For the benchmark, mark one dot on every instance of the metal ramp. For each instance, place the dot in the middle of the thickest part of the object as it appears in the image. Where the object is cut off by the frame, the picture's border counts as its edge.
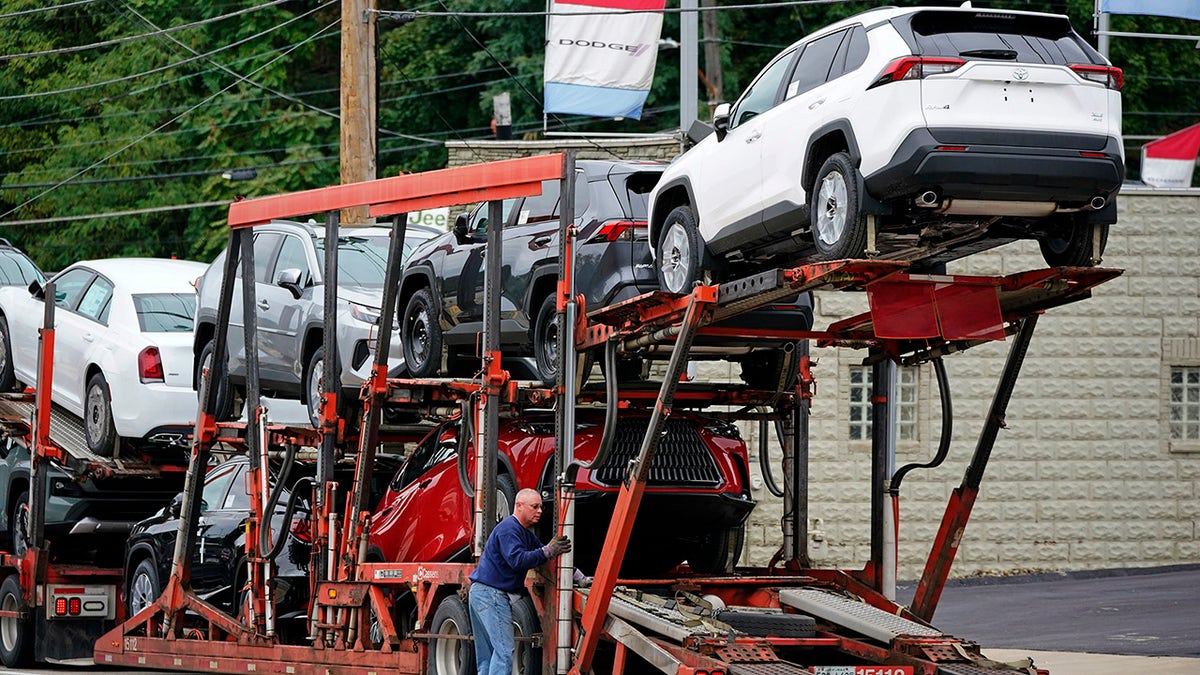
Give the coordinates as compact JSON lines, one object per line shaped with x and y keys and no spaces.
{"x":853,"y":614}
{"x":66,"y":431}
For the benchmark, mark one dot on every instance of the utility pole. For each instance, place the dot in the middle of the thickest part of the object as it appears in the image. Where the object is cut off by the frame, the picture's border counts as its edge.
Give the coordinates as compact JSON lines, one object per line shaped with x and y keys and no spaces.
{"x":713,"y":77}
{"x":358,"y":118}
{"x":689,"y":64}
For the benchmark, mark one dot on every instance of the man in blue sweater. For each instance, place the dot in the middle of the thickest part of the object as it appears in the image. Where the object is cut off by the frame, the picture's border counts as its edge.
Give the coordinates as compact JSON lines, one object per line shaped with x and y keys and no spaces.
{"x":499,"y":580}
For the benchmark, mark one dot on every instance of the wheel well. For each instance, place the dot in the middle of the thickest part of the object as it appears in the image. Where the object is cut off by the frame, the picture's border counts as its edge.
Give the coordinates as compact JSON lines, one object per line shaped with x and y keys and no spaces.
{"x":409,"y":286}
{"x":93,"y":369}
{"x":542,"y":286}
{"x":667,"y":200}
{"x":818,"y":152}
{"x":312,"y":340}
{"x":204,"y":333}
{"x":136,"y":556}
{"x":18,"y":486}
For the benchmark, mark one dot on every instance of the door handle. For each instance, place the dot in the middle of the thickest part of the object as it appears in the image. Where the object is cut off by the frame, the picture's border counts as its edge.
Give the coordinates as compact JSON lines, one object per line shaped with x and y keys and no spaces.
{"x":754,"y":137}
{"x":540,"y":241}
{"x":425,"y":483}
{"x":264,"y":305}
{"x":816,"y":104}
{"x":89,"y":337}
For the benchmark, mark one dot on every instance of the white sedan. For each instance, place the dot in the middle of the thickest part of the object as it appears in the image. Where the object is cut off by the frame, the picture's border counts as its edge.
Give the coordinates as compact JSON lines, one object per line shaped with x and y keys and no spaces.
{"x":123,"y":346}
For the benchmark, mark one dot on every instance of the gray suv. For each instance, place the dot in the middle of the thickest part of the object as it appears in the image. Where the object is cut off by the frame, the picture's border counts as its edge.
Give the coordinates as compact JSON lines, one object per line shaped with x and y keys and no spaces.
{"x":289,"y":291}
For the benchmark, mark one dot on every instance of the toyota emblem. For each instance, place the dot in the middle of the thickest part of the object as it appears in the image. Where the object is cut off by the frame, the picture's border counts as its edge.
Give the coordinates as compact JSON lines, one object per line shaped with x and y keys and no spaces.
{"x":1020,"y":74}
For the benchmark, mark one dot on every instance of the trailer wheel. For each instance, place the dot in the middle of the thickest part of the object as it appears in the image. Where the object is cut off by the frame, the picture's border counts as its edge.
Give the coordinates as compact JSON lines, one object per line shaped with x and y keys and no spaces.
{"x":1072,"y":242}
{"x":143,"y":587}
{"x":8,"y":377}
{"x":545,"y":340}
{"x":839,"y":229}
{"x":527,"y":659}
{"x":228,"y":407}
{"x":18,"y":523}
{"x":680,"y":251}
{"x":421,"y":333}
{"x":16,"y":634}
{"x":98,"y":424}
{"x":451,"y":657}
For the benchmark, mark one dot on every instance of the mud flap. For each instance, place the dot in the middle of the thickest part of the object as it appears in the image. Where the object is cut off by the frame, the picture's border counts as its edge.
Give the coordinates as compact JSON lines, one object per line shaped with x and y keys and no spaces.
{"x":67,"y":640}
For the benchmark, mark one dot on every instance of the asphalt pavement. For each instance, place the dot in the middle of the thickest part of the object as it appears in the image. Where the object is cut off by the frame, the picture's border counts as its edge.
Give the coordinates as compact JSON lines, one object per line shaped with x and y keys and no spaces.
{"x":1102,"y":622}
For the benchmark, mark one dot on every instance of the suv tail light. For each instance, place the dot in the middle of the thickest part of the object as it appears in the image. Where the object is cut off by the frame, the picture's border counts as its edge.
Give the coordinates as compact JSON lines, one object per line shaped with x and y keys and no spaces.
{"x":916,"y":68}
{"x":1109,"y":76}
{"x":620,"y":230}
{"x":150,"y":368}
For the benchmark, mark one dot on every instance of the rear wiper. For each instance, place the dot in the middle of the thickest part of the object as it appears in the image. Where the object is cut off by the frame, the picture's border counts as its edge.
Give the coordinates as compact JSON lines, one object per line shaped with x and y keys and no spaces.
{"x":1006,"y":54}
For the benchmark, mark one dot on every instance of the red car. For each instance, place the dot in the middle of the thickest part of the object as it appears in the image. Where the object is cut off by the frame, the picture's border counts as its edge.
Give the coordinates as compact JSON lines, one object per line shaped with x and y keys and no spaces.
{"x":694,"y":508}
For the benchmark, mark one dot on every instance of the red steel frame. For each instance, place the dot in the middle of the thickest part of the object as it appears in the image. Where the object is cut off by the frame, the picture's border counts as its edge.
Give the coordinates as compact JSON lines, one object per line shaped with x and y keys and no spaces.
{"x":231,"y":646}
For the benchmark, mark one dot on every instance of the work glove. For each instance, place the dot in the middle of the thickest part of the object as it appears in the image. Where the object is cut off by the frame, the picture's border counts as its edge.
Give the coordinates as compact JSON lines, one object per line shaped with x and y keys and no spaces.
{"x":582,"y":580}
{"x":557,"y":546}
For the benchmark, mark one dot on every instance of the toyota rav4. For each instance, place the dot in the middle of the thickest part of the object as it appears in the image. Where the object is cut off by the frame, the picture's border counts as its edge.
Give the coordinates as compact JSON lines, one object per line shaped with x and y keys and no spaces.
{"x":939,"y":131}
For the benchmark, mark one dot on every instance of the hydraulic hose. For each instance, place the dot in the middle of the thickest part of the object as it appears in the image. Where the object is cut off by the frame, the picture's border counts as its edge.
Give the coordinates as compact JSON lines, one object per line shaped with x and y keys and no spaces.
{"x":465,"y":433}
{"x":609,"y":435}
{"x":947,"y":427}
{"x":264,"y":531}
{"x":764,"y":457}
{"x":289,"y":511}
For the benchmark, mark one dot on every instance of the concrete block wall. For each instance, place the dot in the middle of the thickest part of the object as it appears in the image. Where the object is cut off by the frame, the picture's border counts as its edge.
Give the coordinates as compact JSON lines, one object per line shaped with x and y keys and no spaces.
{"x":1085,"y":475}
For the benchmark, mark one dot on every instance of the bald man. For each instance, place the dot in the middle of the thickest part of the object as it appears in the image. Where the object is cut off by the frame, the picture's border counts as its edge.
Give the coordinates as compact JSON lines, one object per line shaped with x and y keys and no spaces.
{"x":499,"y":580}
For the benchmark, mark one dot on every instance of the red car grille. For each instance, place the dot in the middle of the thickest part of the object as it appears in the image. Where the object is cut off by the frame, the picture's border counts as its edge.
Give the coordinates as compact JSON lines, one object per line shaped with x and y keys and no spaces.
{"x":682,"y":459}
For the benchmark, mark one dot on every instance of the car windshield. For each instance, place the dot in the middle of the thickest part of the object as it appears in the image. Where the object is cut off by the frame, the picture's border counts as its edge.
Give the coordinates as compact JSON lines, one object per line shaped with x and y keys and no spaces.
{"x":17,"y":270}
{"x":165,"y":312}
{"x":362,"y":261}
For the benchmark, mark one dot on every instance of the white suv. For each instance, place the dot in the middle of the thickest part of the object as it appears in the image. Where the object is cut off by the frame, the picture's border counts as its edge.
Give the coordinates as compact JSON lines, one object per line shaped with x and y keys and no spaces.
{"x":919,"y":134}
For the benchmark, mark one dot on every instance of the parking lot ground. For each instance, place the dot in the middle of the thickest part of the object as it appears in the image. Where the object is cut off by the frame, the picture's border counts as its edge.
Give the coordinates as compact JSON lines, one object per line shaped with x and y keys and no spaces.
{"x":1080,"y":663}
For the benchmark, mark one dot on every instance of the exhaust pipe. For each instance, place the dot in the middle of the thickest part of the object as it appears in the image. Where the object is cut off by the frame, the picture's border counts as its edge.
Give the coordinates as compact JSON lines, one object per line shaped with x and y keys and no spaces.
{"x":1097,"y":202}
{"x":927,"y":199}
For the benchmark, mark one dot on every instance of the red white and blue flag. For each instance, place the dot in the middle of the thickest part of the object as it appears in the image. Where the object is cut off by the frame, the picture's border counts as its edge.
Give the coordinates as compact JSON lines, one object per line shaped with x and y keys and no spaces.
{"x":601,"y":64}
{"x":1170,"y":160}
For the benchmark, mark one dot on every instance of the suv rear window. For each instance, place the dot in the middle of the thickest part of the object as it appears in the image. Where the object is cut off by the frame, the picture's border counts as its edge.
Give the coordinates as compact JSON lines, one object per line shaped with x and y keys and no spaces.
{"x":1016,"y":37}
{"x":165,"y":312}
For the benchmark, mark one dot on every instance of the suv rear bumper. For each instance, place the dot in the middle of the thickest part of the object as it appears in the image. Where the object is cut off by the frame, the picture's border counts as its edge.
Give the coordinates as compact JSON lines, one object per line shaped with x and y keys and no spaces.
{"x":1005,"y":165}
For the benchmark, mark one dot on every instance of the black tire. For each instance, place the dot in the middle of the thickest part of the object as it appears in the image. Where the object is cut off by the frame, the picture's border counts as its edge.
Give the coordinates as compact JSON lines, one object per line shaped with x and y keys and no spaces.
{"x":1071,"y":243}
{"x":764,"y":622}
{"x":8,"y":377}
{"x":18,"y":525}
{"x":16,"y":635}
{"x":311,"y":388}
{"x":545,"y":341}
{"x":227,"y":407}
{"x":506,"y":496}
{"x":451,"y":657}
{"x":144,"y":587}
{"x":527,"y":659}
{"x":839,"y":228}
{"x":421,"y":334}
{"x":775,"y":370}
{"x":718,"y":551}
{"x":98,"y":427}
{"x":679,"y":257}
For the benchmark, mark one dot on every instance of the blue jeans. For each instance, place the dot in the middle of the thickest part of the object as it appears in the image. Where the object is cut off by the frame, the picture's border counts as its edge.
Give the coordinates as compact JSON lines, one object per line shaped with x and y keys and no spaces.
{"x":491,"y":622}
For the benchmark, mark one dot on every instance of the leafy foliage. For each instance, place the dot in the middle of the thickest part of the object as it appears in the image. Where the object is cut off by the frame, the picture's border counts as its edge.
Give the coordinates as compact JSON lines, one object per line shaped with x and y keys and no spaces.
{"x":153,"y":122}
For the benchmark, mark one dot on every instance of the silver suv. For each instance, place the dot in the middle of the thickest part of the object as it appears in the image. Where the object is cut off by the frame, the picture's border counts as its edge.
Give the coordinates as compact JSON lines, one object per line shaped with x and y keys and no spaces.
{"x":289,"y":290}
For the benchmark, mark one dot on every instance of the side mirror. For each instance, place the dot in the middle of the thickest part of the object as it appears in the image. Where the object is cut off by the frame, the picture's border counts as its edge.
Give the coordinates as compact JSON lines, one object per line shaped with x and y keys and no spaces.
{"x":461,"y":223}
{"x":37,"y":290}
{"x":176,"y":505}
{"x":721,"y":120}
{"x":290,"y":279}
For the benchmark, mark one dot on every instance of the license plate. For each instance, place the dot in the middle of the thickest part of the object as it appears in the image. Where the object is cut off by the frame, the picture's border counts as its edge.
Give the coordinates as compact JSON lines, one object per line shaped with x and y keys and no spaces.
{"x":862,"y":670}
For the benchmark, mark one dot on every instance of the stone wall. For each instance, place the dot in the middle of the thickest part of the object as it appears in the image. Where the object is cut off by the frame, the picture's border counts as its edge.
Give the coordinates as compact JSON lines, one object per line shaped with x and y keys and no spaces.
{"x":1085,"y":475}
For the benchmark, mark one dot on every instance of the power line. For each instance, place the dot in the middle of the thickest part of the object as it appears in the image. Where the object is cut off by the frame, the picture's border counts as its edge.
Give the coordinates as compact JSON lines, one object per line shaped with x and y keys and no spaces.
{"x":406,"y":16}
{"x":133,"y":38}
{"x":126,"y":78}
{"x":114,"y":214}
{"x":50,"y":8}
{"x":162,"y":126}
